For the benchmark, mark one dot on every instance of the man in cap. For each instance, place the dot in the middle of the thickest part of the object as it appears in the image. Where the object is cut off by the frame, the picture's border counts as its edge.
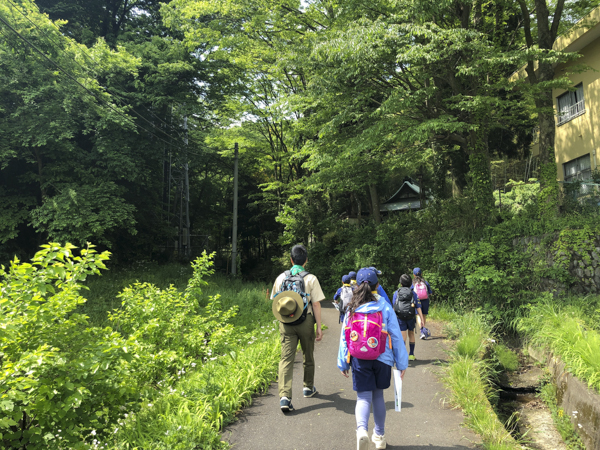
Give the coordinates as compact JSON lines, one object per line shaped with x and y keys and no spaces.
{"x":288,"y":306}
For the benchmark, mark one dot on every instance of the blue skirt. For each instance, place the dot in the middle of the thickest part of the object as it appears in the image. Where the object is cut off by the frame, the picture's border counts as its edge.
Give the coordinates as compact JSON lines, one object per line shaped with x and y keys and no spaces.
{"x":368,"y":375}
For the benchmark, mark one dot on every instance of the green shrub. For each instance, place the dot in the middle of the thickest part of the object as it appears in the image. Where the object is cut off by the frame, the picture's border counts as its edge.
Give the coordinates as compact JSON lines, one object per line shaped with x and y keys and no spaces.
{"x":192,"y":412}
{"x":505,"y":358}
{"x":60,"y":379}
{"x":469,"y":345}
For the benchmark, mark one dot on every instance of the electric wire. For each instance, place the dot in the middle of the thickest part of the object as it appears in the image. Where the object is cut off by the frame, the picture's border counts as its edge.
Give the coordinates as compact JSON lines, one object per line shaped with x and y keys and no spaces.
{"x":72,"y":78}
{"x":85,"y":53}
{"x":115,"y":95}
{"x":127,"y":118}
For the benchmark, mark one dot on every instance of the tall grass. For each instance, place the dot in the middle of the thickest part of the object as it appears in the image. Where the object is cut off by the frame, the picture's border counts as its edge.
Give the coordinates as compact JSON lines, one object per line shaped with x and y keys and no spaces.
{"x":192,"y":413}
{"x":467,"y":376}
{"x":566,"y":331}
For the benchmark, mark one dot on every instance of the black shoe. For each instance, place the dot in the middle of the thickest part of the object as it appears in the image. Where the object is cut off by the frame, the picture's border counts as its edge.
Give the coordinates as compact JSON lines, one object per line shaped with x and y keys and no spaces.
{"x":310,"y":392}
{"x":285,"y":404}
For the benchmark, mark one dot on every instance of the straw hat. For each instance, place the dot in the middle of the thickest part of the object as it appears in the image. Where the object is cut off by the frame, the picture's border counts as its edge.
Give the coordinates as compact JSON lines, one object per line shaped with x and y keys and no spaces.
{"x":288,"y":306}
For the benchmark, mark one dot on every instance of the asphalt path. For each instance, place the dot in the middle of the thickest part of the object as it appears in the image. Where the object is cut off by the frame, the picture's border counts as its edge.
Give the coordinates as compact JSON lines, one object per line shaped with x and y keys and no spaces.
{"x":326,"y":421}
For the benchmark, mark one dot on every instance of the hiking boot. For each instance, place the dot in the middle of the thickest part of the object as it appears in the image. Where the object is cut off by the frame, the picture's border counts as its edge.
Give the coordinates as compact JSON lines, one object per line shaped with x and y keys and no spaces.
{"x":362,"y":440}
{"x":379,"y":441}
{"x":412,"y":358}
{"x":285,"y":404}
{"x":308,"y":392}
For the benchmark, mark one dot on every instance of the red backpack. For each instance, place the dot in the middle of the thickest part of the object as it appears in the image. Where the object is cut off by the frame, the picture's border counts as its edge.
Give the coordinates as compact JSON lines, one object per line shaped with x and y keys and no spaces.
{"x":365,"y":336}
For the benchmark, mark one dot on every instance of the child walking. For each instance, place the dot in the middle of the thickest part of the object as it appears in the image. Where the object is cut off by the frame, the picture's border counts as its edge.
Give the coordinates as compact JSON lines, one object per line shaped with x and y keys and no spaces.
{"x":423,"y":290}
{"x":370,"y":376}
{"x":407,"y":306}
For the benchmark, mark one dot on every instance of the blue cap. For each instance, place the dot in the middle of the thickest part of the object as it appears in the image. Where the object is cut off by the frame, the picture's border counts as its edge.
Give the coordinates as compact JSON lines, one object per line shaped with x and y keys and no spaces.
{"x":377,"y":271}
{"x":367,"y":274}
{"x":352,"y":275}
{"x":417,"y":271}
{"x":346,"y":279}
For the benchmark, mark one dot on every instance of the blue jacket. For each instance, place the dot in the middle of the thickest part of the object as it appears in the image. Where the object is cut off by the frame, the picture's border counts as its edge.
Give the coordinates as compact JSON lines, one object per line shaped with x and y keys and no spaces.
{"x":381,"y":292}
{"x":397,"y":354}
{"x":337,"y":293}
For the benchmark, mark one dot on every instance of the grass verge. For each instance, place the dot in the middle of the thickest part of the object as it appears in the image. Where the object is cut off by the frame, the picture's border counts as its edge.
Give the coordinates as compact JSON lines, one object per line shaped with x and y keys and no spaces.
{"x":192,"y":413}
{"x":466,"y":376}
{"x":564,"y":330}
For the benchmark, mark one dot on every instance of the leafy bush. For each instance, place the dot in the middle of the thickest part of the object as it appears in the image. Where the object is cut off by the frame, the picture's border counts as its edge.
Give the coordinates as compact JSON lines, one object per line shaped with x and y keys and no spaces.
{"x":505,"y":358}
{"x":65,"y":384}
{"x":168,"y":329}
{"x":60,"y":379}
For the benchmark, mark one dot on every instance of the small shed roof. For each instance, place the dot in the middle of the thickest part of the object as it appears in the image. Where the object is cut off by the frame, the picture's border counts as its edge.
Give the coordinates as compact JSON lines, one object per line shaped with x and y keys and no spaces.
{"x":407,"y":197}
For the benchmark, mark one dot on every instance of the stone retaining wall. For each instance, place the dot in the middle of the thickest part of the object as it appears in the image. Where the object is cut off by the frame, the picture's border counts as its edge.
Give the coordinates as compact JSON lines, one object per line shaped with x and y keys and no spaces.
{"x":585,"y":273}
{"x":580,"y":403}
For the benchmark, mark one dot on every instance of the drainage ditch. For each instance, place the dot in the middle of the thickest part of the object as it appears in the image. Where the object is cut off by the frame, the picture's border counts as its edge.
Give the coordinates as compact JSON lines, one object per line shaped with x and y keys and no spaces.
{"x":526,"y":415}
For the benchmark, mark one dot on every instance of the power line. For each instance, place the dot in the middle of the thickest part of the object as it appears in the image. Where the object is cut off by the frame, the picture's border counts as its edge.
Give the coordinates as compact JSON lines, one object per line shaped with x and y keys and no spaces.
{"x":127,"y":118}
{"x":96,"y":73}
{"x":72,"y":78}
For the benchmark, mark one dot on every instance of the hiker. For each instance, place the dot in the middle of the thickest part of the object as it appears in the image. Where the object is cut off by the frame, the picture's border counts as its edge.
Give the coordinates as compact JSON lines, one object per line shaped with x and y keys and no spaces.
{"x":423,"y":291}
{"x":352,"y":276}
{"x":407,"y":306}
{"x":296,"y":295}
{"x":343,"y":296}
{"x":380,"y":289}
{"x":370,"y":344}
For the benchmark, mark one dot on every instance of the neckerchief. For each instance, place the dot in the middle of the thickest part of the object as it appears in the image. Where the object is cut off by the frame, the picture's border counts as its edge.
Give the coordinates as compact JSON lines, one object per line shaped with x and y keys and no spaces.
{"x":296,"y":269}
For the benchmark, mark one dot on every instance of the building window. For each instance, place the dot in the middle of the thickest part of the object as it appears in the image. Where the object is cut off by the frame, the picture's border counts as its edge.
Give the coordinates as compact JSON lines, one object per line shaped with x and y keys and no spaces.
{"x":571,"y":105}
{"x":579,"y":169}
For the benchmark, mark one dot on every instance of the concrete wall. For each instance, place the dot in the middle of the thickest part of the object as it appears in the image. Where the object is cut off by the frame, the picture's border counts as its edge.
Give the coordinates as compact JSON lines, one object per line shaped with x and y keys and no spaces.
{"x":581,"y":404}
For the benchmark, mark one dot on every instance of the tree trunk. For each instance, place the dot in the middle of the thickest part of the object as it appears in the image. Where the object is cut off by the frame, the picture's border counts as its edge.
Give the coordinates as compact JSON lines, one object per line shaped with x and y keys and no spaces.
{"x":479,"y":172}
{"x":548,"y":171}
{"x":375,"y":203}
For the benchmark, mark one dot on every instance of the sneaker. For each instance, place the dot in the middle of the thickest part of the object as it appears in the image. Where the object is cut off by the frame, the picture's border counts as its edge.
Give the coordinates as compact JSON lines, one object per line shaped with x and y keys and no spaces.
{"x":379,"y":441}
{"x":422,"y":336}
{"x":412,"y":358}
{"x":286,"y":404}
{"x":308,"y":392}
{"x":362,"y":440}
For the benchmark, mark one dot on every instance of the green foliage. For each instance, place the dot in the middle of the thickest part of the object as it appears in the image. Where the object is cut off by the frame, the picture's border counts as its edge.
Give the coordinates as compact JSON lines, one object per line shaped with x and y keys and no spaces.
{"x":548,"y":197}
{"x":67,"y":384}
{"x":506,"y":358}
{"x":60,"y":379}
{"x":193,"y":411}
{"x":82,"y":213}
{"x":168,"y":328}
{"x":521,"y":198}
{"x":562,"y":327}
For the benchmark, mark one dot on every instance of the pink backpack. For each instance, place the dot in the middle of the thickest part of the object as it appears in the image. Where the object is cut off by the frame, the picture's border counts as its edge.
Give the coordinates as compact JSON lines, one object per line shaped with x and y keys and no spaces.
{"x":365,"y":335}
{"x":421,"y":291}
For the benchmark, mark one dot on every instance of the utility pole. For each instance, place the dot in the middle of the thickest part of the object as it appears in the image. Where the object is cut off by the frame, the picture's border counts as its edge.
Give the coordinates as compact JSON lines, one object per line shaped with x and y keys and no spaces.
{"x":235,"y":213}
{"x":186,"y":236}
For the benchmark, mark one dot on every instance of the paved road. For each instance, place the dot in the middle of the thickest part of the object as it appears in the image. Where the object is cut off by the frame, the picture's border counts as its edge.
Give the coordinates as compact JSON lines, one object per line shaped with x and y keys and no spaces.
{"x":327,"y":421}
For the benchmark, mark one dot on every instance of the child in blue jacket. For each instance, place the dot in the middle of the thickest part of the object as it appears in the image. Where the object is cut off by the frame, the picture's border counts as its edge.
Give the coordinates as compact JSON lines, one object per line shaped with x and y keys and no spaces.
{"x":371,"y":377}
